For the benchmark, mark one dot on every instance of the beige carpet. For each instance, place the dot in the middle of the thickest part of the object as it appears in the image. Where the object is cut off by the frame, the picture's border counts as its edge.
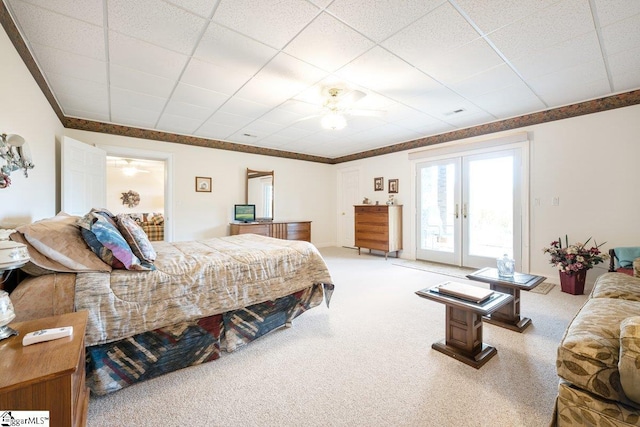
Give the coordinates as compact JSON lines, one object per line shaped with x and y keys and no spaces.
{"x":366,"y":361}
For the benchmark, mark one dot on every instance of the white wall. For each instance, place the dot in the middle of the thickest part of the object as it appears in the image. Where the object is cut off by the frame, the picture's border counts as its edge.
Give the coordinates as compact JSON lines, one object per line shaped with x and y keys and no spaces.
{"x":24,"y":110}
{"x":303,"y":190}
{"x":590,"y":162}
{"x":149,"y":185}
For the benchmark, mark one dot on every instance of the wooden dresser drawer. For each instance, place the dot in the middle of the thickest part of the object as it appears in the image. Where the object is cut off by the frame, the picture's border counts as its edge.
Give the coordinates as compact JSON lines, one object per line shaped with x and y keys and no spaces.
{"x":378,"y":227}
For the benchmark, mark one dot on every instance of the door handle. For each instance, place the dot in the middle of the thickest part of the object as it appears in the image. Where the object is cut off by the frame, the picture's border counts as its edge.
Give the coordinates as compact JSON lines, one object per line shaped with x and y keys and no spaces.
{"x":456,"y":214}
{"x":464,"y":211}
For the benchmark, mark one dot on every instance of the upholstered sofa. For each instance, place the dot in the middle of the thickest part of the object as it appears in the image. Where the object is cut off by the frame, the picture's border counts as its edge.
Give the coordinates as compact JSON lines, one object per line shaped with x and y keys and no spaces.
{"x":151,"y":223}
{"x":598,"y":358}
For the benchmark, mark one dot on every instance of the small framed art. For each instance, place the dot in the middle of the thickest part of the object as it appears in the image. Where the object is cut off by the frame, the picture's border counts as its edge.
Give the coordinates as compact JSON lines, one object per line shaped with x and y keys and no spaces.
{"x":393,"y":186}
{"x":203,"y":184}
{"x":378,"y":184}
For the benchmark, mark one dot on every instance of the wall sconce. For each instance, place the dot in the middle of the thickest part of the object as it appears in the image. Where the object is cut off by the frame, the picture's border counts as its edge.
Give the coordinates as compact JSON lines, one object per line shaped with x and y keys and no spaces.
{"x":14,"y":150}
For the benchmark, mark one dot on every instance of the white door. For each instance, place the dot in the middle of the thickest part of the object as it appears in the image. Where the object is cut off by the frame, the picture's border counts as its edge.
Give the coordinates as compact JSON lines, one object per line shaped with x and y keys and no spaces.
{"x":83,"y":175}
{"x":350,"y":191}
{"x":469,"y":210}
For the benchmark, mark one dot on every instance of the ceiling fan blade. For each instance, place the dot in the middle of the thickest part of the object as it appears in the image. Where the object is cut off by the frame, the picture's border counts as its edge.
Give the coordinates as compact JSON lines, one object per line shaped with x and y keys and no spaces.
{"x":307,"y":118}
{"x":355,"y":95}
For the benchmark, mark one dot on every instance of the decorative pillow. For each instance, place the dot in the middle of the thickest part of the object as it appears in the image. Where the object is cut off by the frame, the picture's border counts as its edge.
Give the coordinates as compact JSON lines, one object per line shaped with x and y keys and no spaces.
{"x":136,"y":238}
{"x":629,"y":360}
{"x":627,"y":255}
{"x":105,"y":240}
{"x":60,"y":240}
{"x":155,"y":219}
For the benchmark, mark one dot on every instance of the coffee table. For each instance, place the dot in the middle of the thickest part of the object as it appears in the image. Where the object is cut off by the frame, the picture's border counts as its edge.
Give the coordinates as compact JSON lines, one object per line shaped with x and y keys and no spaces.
{"x":509,"y":315}
{"x":463,"y":327}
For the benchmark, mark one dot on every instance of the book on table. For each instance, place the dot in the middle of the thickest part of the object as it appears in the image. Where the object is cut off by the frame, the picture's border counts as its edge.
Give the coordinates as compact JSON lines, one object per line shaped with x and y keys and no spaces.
{"x":465,"y":292}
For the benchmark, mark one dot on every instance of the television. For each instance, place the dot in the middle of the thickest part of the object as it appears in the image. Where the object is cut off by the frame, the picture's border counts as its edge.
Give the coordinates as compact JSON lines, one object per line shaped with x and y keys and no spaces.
{"x":244,"y":213}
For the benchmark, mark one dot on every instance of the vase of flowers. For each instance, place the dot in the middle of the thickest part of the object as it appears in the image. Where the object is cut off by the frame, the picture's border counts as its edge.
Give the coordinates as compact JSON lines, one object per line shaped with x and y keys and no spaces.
{"x":573,"y":261}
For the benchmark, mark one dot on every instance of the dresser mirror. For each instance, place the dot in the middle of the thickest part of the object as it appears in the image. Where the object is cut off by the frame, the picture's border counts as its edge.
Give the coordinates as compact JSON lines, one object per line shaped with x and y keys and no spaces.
{"x":259,"y":192}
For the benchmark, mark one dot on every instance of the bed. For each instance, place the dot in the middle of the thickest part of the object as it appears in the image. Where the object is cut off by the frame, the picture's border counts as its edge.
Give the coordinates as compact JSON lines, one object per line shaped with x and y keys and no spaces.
{"x":185,"y":306}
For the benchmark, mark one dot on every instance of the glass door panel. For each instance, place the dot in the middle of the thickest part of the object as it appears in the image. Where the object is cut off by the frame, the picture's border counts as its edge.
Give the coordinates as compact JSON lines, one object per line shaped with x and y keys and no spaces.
{"x":488,"y":208}
{"x":439,"y":211}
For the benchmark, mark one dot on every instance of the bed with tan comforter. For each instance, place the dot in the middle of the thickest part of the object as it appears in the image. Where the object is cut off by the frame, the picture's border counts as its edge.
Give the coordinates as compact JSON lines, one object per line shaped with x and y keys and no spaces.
{"x":200,"y":297}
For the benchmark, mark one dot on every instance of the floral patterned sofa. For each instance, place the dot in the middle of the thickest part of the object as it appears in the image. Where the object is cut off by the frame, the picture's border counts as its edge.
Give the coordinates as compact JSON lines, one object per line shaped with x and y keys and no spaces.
{"x":599,"y":358}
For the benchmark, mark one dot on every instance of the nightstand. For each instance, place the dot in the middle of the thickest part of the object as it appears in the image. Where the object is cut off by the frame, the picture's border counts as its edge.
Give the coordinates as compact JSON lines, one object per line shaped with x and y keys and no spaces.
{"x":47,"y":376}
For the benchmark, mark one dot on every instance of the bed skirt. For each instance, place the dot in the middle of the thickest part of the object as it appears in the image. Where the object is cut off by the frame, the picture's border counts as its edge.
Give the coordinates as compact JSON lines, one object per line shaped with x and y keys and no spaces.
{"x":113,"y":366}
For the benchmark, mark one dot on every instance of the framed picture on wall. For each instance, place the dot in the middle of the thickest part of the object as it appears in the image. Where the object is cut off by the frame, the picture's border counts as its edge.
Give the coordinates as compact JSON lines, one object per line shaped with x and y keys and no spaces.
{"x":203,"y":184}
{"x":378,"y":184}
{"x":393,"y":186}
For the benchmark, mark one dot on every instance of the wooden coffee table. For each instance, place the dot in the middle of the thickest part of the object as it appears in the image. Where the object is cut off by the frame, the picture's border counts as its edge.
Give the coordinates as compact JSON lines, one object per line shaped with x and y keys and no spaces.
{"x":509,"y":315}
{"x":463,"y":328}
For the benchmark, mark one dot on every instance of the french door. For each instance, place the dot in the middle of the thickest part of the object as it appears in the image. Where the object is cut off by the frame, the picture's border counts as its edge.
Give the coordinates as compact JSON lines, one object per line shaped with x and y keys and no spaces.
{"x":469,"y":210}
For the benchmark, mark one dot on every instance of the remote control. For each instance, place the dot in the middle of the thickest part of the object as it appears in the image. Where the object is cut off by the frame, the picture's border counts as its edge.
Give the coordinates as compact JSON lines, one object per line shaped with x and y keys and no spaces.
{"x":47,"y":335}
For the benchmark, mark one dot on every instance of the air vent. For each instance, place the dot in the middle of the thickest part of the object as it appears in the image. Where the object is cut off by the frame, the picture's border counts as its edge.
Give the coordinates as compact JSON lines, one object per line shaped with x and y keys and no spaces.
{"x":456,"y":111}
{"x":248,"y":135}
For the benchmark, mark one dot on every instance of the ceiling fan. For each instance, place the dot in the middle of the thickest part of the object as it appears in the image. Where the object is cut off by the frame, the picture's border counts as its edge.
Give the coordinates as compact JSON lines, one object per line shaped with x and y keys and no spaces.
{"x":337,"y":104}
{"x":129,"y":167}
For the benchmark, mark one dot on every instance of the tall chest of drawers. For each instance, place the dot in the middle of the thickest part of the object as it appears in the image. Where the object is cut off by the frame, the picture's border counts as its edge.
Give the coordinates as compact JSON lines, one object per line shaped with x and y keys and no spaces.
{"x":378,"y":227}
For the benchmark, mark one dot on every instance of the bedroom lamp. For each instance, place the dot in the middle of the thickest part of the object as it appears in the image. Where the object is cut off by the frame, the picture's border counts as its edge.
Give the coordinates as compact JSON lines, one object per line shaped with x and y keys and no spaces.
{"x":6,"y":316}
{"x":12,"y":255}
{"x":14,"y":150}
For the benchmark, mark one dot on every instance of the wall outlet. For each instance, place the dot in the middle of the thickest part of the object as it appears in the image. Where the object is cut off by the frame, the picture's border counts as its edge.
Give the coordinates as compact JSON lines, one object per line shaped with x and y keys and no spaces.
{"x":555,"y":201}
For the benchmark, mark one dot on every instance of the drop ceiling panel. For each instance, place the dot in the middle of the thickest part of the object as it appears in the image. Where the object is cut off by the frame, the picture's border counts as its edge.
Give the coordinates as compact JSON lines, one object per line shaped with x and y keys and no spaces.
{"x":488,"y":81}
{"x":62,"y":32}
{"x":490,"y":16}
{"x":199,"y":7}
{"x":92,"y":91}
{"x":624,"y":64}
{"x":572,"y":52}
{"x":460,"y":63}
{"x":52,"y":60}
{"x":585,"y":81}
{"x":374,"y":68}
{"x":87,"y":115}
{"x":264,"y":20}
{"x":439,"y":31}
{"x":233,"y":120}
{"x":85,"y":10}
{"x":150,"y":84}
{"x":213,"y":77}
{"x":128,"y":115}
{"x":379,"y":20}
{"x":509,"y":101}
{"x":137,"y":99}
{"x":222,"y":46}
{"x":328,"y":44}
{"x":243,"y":107}
{"x":611,"y":11}
{"x":283,"y":78}
{"x":156,"y":22}
{"x":95,"y":104}
{"x":555,"y":24}
{"x":146,"y":57}
{"x":215,"y":131}
{"x":178,"y":124}
{"x":183,"y":109}
{"x":621,"y":36}
{"x":198,"y":96}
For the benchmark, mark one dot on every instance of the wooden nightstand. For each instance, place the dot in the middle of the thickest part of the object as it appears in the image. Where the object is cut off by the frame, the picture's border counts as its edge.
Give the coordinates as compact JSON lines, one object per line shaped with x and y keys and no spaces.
{"x":48,"y":376}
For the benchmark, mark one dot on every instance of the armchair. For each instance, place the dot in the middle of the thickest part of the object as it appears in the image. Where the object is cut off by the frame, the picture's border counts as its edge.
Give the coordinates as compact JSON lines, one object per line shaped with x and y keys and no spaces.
{"x":625,"y":260}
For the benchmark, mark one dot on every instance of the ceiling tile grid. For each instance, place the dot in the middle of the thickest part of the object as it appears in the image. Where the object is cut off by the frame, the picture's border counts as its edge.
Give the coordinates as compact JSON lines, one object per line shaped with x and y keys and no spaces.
{"x":261,"y":73}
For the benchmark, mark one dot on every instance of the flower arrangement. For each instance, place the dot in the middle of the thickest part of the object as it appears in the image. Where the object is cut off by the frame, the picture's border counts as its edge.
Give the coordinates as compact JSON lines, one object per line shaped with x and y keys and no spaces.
{"x":574,"y":258}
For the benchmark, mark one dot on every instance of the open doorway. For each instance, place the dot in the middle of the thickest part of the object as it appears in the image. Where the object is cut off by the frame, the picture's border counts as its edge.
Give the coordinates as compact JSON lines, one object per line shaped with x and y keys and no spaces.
{"x":136,"y":187}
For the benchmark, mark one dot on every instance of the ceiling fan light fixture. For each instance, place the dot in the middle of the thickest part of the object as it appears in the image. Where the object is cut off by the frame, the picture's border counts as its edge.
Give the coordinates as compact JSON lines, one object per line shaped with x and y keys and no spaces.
{"x":334,"y":121}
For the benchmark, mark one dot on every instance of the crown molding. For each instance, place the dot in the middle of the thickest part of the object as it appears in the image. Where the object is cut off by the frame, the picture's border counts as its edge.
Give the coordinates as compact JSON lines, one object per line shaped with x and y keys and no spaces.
{"x":621,"y":100}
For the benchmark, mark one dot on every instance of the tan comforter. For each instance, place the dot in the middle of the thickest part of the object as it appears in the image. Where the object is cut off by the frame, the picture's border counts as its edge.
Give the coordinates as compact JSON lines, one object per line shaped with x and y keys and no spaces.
{"x":195,"y":279}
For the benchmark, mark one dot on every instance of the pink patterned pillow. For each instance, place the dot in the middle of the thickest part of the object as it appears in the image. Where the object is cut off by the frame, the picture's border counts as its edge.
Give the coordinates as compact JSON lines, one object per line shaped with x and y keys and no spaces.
{"x":136,"y":238}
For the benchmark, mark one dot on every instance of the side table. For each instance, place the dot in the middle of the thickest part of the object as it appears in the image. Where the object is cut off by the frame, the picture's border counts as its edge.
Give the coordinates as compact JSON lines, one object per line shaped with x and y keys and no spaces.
{"x":47,"y":376}
{"x":463,"y":328}
{"x":509,"y":315}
